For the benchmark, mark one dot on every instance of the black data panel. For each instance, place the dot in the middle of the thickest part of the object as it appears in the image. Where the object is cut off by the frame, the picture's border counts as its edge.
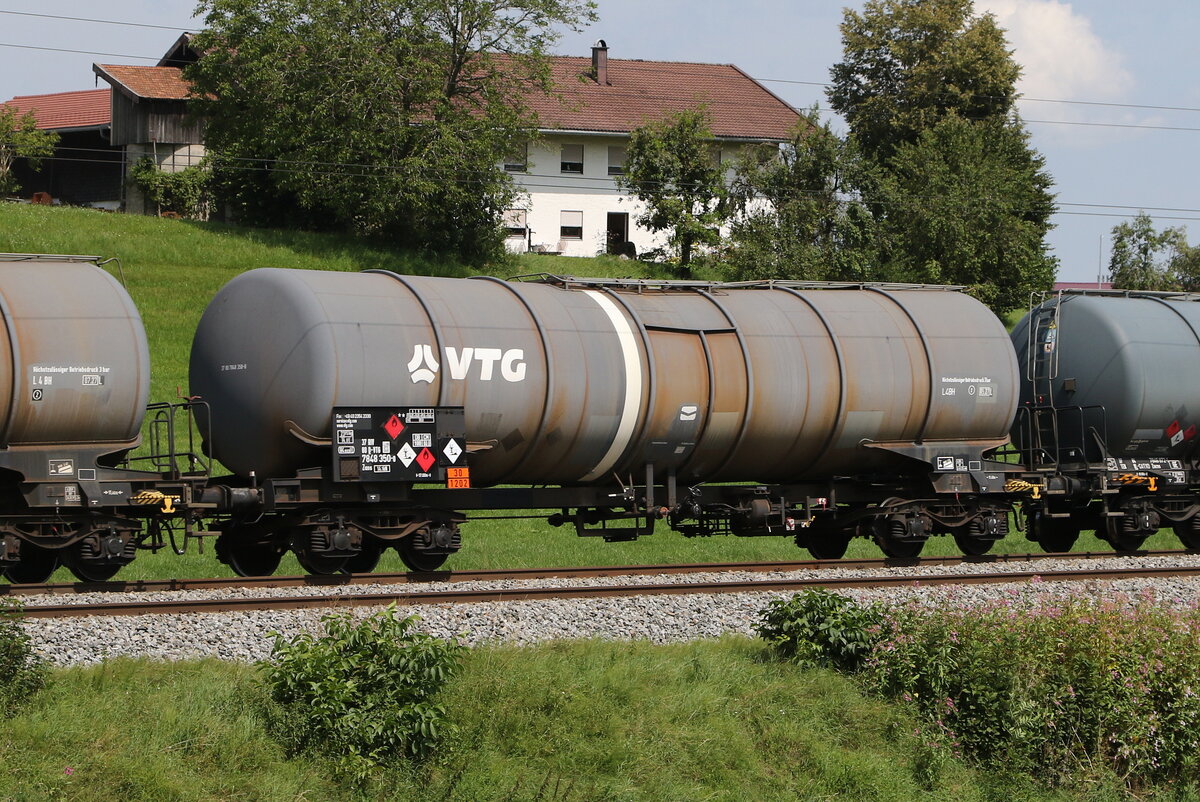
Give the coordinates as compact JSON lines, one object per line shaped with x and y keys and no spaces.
{"x":398,"y":444}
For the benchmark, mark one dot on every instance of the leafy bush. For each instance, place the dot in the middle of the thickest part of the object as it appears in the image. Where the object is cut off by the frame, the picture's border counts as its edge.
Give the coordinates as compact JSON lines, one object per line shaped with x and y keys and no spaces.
{"x":1061,"y":692}
{"x":818,"y":627}
{"x":1055,"y":690}
{"x":362,"y":693}
{"x":185,"y":192}
{"x":22,"y":673}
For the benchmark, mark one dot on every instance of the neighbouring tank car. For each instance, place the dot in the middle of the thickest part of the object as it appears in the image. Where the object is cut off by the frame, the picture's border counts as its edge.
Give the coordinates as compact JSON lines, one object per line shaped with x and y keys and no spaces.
{"x":836,"y":398}
{"x":74,"y":382}
{"x":1110,"y":402}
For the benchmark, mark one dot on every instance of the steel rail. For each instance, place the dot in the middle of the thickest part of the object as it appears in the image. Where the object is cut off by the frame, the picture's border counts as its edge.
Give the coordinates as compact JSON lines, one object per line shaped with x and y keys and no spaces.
{"x":516,"y":574}
{"x":593,"y":591}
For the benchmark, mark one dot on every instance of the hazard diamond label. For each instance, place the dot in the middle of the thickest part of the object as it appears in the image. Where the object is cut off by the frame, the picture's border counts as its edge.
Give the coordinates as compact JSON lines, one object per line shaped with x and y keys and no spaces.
{"x":426,"y":459}
{"x":452,"y":450}
{"x":406,"y":455}
{"x":393,"y":427}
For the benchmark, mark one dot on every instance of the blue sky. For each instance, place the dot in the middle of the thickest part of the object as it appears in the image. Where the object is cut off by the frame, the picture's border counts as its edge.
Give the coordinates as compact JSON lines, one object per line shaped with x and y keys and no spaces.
{"x":1109,"y":155}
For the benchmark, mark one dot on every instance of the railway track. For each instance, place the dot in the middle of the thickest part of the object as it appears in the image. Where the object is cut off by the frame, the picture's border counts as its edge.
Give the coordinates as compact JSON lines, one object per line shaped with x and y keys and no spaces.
{"x":449,"y":596}
{"x":517,"y":574}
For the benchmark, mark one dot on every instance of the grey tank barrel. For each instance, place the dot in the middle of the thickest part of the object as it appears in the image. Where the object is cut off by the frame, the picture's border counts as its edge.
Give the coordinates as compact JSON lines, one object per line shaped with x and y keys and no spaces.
{"x":572,"y":382}
{"x":1124,"y":366}
{"x":77,"y":364}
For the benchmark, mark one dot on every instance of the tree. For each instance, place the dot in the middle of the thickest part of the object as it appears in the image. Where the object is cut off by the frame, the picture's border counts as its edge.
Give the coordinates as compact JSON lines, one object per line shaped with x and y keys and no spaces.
{"x":388,"y":118}
{"x":927,"y":88}
{"x":907,"y":64}
{"x":801,"y":209}
{"x":21,"y":139}
{"x":969,"y":203}
{"x":1144,"y":258}
{"x":672,"y":166}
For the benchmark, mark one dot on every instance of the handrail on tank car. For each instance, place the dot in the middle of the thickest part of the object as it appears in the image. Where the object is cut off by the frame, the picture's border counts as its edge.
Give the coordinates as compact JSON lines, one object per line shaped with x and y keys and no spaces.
{"x":641,"y":284}
{"x":164,"y":456}
{"x":1031,"y":445}
{"x":1181,"y":295}
{"x":47,"y":257}
{"x":98,"y":261}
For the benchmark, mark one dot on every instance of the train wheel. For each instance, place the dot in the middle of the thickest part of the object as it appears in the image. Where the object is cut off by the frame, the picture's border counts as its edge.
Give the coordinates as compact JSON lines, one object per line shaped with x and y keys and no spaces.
{"x":1119,"y":538}
{"x":832,"y":547}
{"x":899,"y":549}
{"x":1054,"y":535}
{"x":972,"y":546}
{"x":890,"y":536}
{"x":93,"y":572}
{"x":1188,"y":533}
{"x":969,"y":539}
{"x":322,"y":564}
{"x":252,"y":559}
{"x":36,"y":565}
{"x":417,"y":560}
{"x":365,"y":561}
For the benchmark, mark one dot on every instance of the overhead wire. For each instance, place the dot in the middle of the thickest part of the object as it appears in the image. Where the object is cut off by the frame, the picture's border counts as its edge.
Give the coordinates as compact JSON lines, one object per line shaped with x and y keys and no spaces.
{"x":820,"y":84}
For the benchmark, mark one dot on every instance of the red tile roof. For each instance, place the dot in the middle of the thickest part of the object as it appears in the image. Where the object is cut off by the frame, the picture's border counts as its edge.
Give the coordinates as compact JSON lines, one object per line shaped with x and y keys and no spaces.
{"x":86,"y":109}
{"x":152,"y":83}
{"x":638,"y":92}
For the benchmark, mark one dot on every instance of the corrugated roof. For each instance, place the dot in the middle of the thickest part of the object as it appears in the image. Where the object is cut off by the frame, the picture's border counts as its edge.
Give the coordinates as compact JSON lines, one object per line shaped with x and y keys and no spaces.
{"x":151,"y":83}
{"x":637,"y":92}
{"x":87,"y":109}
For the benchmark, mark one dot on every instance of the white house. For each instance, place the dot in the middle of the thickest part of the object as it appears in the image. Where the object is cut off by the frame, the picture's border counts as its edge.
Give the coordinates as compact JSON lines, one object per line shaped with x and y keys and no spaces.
{"x":573,"y":205}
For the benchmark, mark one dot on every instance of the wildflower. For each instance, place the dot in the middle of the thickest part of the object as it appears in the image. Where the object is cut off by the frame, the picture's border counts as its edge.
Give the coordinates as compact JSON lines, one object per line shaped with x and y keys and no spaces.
{"x":68,"y":771}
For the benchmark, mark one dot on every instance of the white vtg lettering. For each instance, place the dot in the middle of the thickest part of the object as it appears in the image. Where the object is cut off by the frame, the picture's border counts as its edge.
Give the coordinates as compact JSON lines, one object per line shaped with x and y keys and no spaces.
{"x":511,"y":363}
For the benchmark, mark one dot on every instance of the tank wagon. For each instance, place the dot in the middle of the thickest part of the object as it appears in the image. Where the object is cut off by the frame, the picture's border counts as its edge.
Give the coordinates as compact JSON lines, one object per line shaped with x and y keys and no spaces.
{"x":74,"y":382}
{"x":839,"y":410}
{"x":1109,"y":406}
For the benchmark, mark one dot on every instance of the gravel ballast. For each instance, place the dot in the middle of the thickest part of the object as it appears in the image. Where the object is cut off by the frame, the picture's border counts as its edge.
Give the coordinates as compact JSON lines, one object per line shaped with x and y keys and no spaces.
{"x":246,"y":636}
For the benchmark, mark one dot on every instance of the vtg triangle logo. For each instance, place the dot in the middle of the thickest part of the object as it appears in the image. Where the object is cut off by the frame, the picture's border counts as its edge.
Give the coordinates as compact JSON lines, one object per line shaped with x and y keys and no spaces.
{"x":422,"y":354}
{"x":424,"y":367}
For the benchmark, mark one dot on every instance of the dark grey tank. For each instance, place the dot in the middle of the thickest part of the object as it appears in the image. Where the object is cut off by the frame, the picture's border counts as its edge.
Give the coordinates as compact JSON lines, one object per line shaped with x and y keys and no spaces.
{"x":1131,"y":364}
{"x":576,"y":381}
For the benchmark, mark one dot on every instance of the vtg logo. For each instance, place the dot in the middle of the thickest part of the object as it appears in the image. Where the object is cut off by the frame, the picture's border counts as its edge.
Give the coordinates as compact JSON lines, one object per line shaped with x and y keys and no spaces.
{"x":423,"y":367}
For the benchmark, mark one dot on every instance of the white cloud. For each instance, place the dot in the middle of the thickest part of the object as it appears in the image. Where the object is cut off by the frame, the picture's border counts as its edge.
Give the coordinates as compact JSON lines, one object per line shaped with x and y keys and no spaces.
{"x":1061,"y":57}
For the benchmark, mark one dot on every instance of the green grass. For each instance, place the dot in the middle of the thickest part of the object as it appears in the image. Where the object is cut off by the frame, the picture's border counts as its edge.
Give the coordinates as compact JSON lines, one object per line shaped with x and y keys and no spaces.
{"x":566,"y":722}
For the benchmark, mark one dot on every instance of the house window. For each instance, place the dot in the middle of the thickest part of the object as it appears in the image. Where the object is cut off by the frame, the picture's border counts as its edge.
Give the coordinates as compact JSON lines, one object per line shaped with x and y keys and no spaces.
{"x":572,"y":159}
{"x":715,"y":155}
{"x":518,"y":160}
{"x":514,"y":224}
{"x":616,"y":160}
{"x":571,"y":225}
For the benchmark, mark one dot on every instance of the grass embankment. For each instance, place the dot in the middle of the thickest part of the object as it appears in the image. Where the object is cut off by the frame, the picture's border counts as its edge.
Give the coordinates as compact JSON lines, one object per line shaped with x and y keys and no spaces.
{"x":173,"y":268}
{"x":565,"y":722}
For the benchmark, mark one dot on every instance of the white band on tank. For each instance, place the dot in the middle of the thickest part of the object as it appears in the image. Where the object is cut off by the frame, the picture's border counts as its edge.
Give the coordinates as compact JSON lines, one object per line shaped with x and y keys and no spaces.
{"x":633,"y":385}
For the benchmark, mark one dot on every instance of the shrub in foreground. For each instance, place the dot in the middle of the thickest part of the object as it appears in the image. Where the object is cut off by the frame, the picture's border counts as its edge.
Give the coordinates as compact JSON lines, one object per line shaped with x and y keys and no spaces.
{"x":817,"y":627}
{"x":362,"y":693}
{"x":22,"y":673}
{"x":1054,"y":690}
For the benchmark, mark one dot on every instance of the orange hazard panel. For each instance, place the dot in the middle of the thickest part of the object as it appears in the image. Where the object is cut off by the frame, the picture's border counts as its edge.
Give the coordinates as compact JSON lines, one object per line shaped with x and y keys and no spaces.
{"x":458,"y":478}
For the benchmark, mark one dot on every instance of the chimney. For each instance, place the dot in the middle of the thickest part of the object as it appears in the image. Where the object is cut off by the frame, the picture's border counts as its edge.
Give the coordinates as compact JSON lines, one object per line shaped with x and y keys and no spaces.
{"x":600,"y":62}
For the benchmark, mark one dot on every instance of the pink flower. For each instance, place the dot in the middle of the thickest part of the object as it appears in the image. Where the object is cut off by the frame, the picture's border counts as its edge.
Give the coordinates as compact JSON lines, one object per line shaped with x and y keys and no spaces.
{"x":68,"y":771}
